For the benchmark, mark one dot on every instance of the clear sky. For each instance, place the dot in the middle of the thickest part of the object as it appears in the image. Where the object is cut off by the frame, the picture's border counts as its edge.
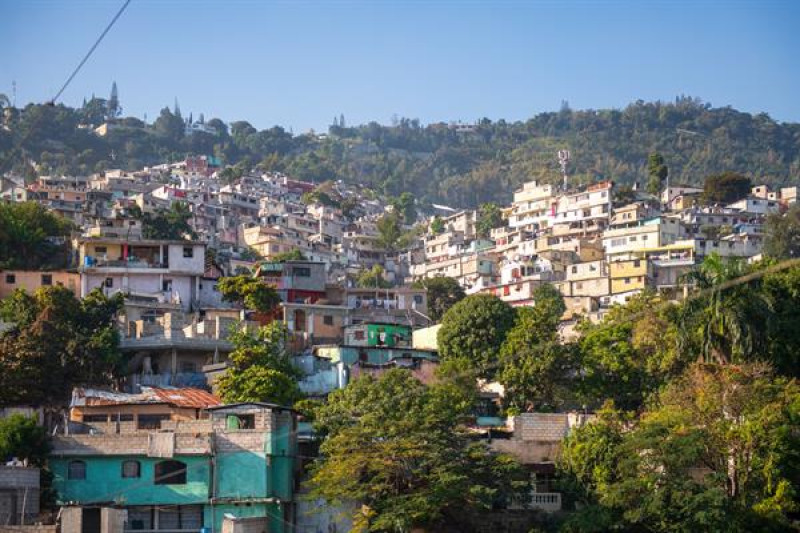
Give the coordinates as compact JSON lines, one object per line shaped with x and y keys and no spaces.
{"x":298,"y":64}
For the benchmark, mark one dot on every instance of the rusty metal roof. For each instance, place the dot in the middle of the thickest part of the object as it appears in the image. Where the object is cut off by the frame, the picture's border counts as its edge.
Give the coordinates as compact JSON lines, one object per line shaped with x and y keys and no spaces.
{"x":185,"y":397}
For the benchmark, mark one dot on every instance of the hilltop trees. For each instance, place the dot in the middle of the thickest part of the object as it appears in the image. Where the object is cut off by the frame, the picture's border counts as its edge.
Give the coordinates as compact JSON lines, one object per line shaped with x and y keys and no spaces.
{"x":782,"y":234}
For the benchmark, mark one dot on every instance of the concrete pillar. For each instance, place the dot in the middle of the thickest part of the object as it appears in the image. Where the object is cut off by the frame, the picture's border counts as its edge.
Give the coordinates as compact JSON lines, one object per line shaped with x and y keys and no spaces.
{"x":71,"y":519}
{"x":112,"y":520}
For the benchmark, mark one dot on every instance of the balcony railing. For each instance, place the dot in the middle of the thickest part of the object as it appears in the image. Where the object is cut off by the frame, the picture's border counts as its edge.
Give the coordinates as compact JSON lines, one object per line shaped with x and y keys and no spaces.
{"x":549,"y":502}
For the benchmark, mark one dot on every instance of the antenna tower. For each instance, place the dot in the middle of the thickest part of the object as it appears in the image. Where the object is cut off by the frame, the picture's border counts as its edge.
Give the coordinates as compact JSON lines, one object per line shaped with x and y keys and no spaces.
{"x":563,"y":160}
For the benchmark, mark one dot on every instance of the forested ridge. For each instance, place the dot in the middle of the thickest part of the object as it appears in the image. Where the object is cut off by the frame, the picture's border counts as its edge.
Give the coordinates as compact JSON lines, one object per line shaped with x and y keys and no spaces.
{"x":438,"y":162}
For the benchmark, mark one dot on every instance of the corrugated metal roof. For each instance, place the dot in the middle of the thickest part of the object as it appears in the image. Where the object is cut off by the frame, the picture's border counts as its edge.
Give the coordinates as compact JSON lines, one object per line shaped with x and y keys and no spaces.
{"x":185,"y":397}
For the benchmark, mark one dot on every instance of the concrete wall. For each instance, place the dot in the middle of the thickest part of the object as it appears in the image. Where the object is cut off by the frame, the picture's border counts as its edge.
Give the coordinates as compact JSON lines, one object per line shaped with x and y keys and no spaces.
{"x":104,"y":482}
{"x":31,"y":280}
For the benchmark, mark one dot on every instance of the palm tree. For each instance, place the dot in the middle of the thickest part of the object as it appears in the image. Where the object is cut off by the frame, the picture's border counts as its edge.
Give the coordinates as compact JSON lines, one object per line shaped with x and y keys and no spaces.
{"x":729,"y":314}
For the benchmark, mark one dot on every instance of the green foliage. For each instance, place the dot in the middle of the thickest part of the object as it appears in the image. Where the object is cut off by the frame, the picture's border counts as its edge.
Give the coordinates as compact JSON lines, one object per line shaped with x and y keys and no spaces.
{"x":404,"y":206}
{"x":57,"y":342}
{"x":631,"y":353}
{"x":726,"y":187}
{"x":291,"y":255}
{"x":443,"y":293}
{"x":250,"y":292}
{"x":23,"y":438}
{"x":474,"y":329}
{"x":260,"y":369}
{"x":29,"y":237}
{"x":782,"y":234}
{"x":535,"y":368}
{"x":657,"y":172}
{"x":372,"y":278}
{"x":715,"y":453}
{"x":728,"y":320}
{"x":169,"y":224}
{"x":437,"y":226}
{"x":434,"y":161}
{"x":489,"y":218}
{"x":398,"y":448}
{"x":389,"y":231}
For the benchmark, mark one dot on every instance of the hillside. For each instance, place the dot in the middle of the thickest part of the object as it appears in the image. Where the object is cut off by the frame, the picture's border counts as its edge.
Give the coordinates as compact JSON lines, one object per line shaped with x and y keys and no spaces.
{"x":436,"y":162}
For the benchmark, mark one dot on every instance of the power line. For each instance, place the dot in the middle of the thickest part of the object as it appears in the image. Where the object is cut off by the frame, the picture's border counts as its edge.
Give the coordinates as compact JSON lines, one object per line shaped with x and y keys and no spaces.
{"x":89,"y":53}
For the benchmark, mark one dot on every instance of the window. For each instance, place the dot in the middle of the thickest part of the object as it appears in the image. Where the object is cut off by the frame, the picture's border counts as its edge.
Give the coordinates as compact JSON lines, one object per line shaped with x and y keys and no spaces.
{"x":100,"y":249}
{"x":47,"y":279}
{"x":637,"y":263}
{"x":240,"y":422}
{"x":76,"y":470}
{"x":627,"y":281}
{"x":358,"y":335}
{"x":109,"y":282}
{"x":188,"y":251}
{"x":301,"y":272}
{"x":188,"y":367}
{"x":131,"y":469}
{"x":170,"y":473}
{"x":11,"y":279}
{"x":327,"y":320}
{"x":418,"y":299}
{"x":166,"y":285}
{"x":151,"y":421}
{"x":95,"y":418}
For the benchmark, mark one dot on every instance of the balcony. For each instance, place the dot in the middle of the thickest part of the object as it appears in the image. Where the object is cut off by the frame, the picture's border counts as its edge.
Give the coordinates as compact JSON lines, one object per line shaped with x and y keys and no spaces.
{"x":548,"y":502}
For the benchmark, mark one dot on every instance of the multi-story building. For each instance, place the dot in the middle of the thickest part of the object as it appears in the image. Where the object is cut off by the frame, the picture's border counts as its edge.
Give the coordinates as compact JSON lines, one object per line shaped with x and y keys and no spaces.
{"x":176,"y":474}
{"x":158,"y":268}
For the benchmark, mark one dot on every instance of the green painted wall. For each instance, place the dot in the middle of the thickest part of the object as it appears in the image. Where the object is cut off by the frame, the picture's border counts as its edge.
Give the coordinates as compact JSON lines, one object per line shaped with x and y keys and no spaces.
{"x":241,"y":475}
{"x":104,"y":482}
{"x":391,"y":334}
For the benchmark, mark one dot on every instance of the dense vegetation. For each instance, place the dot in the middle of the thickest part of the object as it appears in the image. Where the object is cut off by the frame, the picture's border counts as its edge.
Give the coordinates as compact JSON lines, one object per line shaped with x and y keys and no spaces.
{"x":435,"y":161}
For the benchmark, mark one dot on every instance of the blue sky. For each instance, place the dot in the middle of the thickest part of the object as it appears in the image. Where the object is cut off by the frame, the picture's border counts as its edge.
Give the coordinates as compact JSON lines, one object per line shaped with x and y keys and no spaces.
{"x":299,"y":64}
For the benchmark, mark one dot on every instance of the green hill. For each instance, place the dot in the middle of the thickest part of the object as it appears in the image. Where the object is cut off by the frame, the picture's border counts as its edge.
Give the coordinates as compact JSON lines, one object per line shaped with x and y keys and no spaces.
{"x":437,"y":162}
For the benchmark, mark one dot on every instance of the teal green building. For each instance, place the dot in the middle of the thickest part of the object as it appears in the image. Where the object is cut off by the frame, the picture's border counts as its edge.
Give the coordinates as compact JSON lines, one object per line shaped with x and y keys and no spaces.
{"x":239,"y":462}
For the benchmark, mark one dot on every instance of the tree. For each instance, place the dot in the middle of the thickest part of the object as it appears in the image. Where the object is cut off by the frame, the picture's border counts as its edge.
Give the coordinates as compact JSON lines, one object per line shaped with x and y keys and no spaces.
{"x":31,"y":237}
{"x":170,"y":125}
{"x":114,"y":109}
{"x":657,"y":172}
{"x":260,"y":368}
{"x":782,"y":234}
{"x":404,"y":206}
{"x":726,"y":187}
{"x":535,"y":368}
{"x":168,"y":224}
{"x":372,"y":278}
{"x":631,"y":353}
{"x":56,"y":342}
{"x":389,"y":231}
{"x":489,"y":218}
{"x":715,"y":453}
{"x":249,"y":292}
{"x":728,"y":319}
{"x":22,"y":437}
{"x":443,"y":293}
{"x":292,"y":255}
{"x":437,"y":225}
{"x":475,"y":329}
{"x":399,"y":450}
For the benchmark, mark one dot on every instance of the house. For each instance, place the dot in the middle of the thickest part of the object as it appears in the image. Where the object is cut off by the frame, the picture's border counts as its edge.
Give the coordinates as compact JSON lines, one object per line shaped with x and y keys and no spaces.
{"x":237,"y":461}
{"x":32,"y":280}
{"x":170,"y":269}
